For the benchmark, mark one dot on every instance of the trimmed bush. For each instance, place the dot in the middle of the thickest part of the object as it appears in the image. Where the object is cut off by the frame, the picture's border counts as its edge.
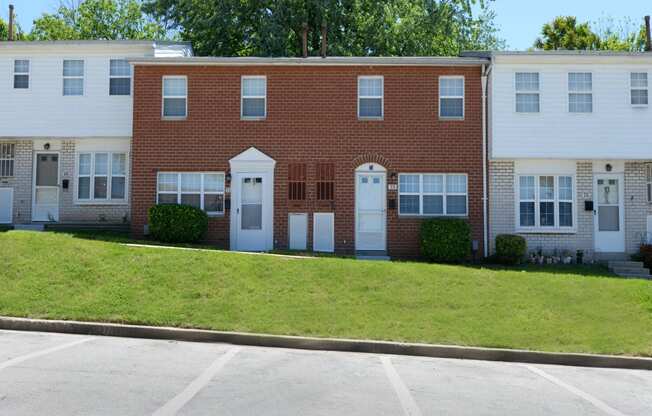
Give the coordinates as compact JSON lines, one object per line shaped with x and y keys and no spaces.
{"x":510,"y":248}
{"x":646,"y":255}
{"x":445,"y":240}
{"x":177,"y":223}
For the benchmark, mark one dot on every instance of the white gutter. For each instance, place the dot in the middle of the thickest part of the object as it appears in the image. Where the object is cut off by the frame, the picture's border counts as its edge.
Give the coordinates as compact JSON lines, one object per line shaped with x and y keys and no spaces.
{"x":485,"y":230}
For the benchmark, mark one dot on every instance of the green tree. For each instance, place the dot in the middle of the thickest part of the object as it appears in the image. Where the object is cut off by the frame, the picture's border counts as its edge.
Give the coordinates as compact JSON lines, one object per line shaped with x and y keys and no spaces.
{"x":4,"y":30}
{"x":355,"y":27}
{"x":97,"y":19}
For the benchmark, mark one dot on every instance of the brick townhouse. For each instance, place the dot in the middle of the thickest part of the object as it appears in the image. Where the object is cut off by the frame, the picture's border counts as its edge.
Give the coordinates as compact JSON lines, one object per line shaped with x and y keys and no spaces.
{"x":327,"y":154}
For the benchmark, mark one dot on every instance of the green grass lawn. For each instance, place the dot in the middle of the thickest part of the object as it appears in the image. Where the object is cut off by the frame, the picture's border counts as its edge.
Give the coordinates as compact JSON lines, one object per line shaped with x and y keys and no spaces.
{"x":52,"y":275}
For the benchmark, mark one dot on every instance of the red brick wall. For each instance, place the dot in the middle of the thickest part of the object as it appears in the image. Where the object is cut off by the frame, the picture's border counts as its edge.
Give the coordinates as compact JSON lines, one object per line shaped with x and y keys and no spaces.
{"x":311,"y":117}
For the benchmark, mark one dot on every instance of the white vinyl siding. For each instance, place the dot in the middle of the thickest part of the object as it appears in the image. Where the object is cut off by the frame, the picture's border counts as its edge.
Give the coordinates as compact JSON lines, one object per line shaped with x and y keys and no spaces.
{"x":580,"y":92}
{"x":73,"y":77}
{"x":21,"y":74}
{"x":119,"y":77}
{"x":175,"y":97}
{"x":7,"y":159}
{"x":545,"y":202}
{"x":253,"y":101}
{"x":639,"y":88}
{"x":101,"y":177}
{"x":203,"y":190}
{"x":527,"y":92}
{"x":433,"y":194}
{"x":370,"y":97}
{"x":451,"y":97}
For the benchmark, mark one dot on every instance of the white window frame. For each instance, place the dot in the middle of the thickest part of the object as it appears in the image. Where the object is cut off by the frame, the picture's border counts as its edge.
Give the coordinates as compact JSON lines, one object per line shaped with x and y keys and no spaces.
{"x":648,"y":169}
{"x":444,"y":194}
{"x":82,"y":77}
{"x":571,"y":92}
{"x":129,"y":77}
{"x":7,"y":164}
{"x":632,"y":88}
{"x":163,"y":97}
{"x":202,"y":192}
{"x":463,"y":96}
{"x":375,"y":97}
{"x":537,"y":228}
{"x":243,"y":97}
{"x":518,"y":92}
{"x":109,"y":175}
{"x":28,"y":73}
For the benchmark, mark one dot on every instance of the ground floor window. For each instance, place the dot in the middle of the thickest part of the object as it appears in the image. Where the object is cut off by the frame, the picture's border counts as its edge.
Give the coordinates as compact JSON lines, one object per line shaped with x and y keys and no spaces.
{"x":433,"y":194}
{"x":649,"y":182}
{"x":7,"y":156}
{"x":545,"y":201}
{"x":102,"y":176}
{"x":325,"y":181}
{"x":204,"y":190}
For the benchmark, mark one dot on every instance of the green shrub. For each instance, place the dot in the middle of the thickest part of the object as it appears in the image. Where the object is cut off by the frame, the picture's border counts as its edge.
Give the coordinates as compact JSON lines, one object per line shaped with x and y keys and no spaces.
{"x":445,"y":240}
{"x":510,"y":249}
{"x":645,"y":253}
{"x":177,"y":223}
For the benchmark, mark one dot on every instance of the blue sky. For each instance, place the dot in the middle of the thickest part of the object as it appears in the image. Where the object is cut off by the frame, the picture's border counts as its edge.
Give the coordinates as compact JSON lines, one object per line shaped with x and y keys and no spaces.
{"x":520,"y":20}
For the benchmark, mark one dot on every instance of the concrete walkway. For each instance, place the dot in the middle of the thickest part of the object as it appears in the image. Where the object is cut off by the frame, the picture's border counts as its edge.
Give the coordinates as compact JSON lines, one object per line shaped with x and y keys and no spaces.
{"x":57,"y":374}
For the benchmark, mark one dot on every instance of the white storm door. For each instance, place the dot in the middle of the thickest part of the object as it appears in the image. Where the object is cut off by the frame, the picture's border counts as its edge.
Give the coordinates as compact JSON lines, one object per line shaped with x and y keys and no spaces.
{"x":46,"y":187}
{"x":252,"y":225}
{"x":6,"y":205}
{"x":609,"y":216}
{"x":370,"y":212}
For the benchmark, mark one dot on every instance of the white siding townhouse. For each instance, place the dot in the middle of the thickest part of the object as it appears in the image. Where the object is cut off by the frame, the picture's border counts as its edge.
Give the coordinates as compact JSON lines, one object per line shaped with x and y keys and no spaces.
{"x":66,"y":127}
{"x":570,"y":154}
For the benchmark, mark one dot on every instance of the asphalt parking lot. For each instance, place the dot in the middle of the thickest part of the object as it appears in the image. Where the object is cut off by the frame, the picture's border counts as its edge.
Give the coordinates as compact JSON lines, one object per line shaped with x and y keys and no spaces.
{"x":56,"y":374}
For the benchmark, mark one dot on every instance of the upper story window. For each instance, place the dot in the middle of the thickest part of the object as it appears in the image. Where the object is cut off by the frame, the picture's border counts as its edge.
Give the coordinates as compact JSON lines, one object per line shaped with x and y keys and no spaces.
{"x":203,"y":190}
{"x":580,"y":92}
{"x":451,"y":97}
{"x":545,"y":201}
{"x":7,"y":156}
{"x":73,"y":77}
{"x":639,"y":91}
{"x":432,"y":194}
{"x":253,"y":97}
{"x":297,"y":181}
{"x":325,"y":181}
{"x":527,"y":92}
{"x":175,"y":97}
{"x":21,"y":74}
{"x":370,"y":97}
{"x":102,"y":176}
{"x":119,"y":77}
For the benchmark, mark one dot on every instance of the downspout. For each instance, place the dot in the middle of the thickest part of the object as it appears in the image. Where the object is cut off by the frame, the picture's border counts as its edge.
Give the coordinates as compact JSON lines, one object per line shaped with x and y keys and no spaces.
{"x":485,"y":230}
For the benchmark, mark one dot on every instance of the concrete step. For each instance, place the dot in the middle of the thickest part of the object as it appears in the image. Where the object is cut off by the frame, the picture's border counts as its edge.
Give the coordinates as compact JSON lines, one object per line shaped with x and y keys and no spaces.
{"x":636,"y":264}
{"x":630,"y":270}
{"x":29,"y":227}
{"x":635,"y":275}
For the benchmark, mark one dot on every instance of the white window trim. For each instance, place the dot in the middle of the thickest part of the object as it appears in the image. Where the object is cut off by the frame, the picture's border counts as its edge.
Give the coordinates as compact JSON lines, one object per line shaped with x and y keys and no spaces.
{"x":64,"y":77}
{"x":202,"y":193}
{"x":7,"y":160}
{"x":632,"y":88}
{"x":463,"y":96}
{"x":517,"y":92}
{"x":107,"y":201}
{"x":28,"y":73}
{"x":131,"y":83}
{"x":242,"y":97}
{"x":163,"y":97}
{"x":569,"y":92}
{"x":537,"y":229}
{"x":444,"y":194}
{"x":382,"y":97}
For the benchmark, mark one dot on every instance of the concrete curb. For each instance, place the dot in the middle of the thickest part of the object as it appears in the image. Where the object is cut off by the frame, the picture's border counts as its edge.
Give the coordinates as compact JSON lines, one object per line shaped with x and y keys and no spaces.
{"x":327,"y":344}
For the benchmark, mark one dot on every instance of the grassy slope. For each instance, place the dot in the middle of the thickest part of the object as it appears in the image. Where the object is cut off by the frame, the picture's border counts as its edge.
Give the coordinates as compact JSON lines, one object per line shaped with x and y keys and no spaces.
{"x":59,"y":276}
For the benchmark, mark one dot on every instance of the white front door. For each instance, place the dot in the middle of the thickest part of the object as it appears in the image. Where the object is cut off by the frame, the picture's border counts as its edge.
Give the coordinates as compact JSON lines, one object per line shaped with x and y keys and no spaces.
{"x":6,"y":205}
{"x":252,"y":223}
{"x":608,"y":214}
{"x":370,"y":215}
{"x":46,"y":187}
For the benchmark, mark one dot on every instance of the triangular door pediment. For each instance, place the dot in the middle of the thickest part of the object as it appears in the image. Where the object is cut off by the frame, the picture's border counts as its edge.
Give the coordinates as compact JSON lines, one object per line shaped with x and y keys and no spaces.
{"x":252,"y":155}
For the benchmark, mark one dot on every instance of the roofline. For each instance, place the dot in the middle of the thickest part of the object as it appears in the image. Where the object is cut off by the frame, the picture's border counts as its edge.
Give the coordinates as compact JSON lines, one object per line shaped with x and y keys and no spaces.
{"x":54,"y":43}
{"x":567,"y":53}
{"x":314,"y":61}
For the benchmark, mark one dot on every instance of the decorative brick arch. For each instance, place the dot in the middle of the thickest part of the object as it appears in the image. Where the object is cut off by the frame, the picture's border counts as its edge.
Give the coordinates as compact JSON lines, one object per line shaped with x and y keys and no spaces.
{"x":371,"y":158}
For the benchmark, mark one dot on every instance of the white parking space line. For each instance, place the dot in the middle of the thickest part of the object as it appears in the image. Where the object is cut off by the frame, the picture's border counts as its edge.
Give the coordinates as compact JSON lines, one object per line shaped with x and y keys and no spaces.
{"x":408,"y":404}
{"x":35,"y":354}
{"x":593,"y":400}
{"x":174,"y":405}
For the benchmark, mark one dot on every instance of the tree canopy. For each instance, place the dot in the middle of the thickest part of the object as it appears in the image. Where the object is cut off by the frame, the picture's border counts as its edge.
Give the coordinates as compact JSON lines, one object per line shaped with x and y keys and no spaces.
{"x":355,"y":27}
{"x":97,"y":19}
{"x":566,"y":33}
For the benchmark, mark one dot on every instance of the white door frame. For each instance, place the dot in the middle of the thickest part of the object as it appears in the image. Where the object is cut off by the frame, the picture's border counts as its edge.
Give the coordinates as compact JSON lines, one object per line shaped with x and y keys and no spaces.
{"x":11,"y":204}
{"x":34,"y":167}
{"x":252,"y":162}
{"x":618,"y":243}
{"x":374,"y":169}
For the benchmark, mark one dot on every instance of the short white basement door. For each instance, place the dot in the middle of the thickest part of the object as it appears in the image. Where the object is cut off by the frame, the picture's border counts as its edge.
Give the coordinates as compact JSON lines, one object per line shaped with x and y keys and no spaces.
{"x":6,"y":204}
